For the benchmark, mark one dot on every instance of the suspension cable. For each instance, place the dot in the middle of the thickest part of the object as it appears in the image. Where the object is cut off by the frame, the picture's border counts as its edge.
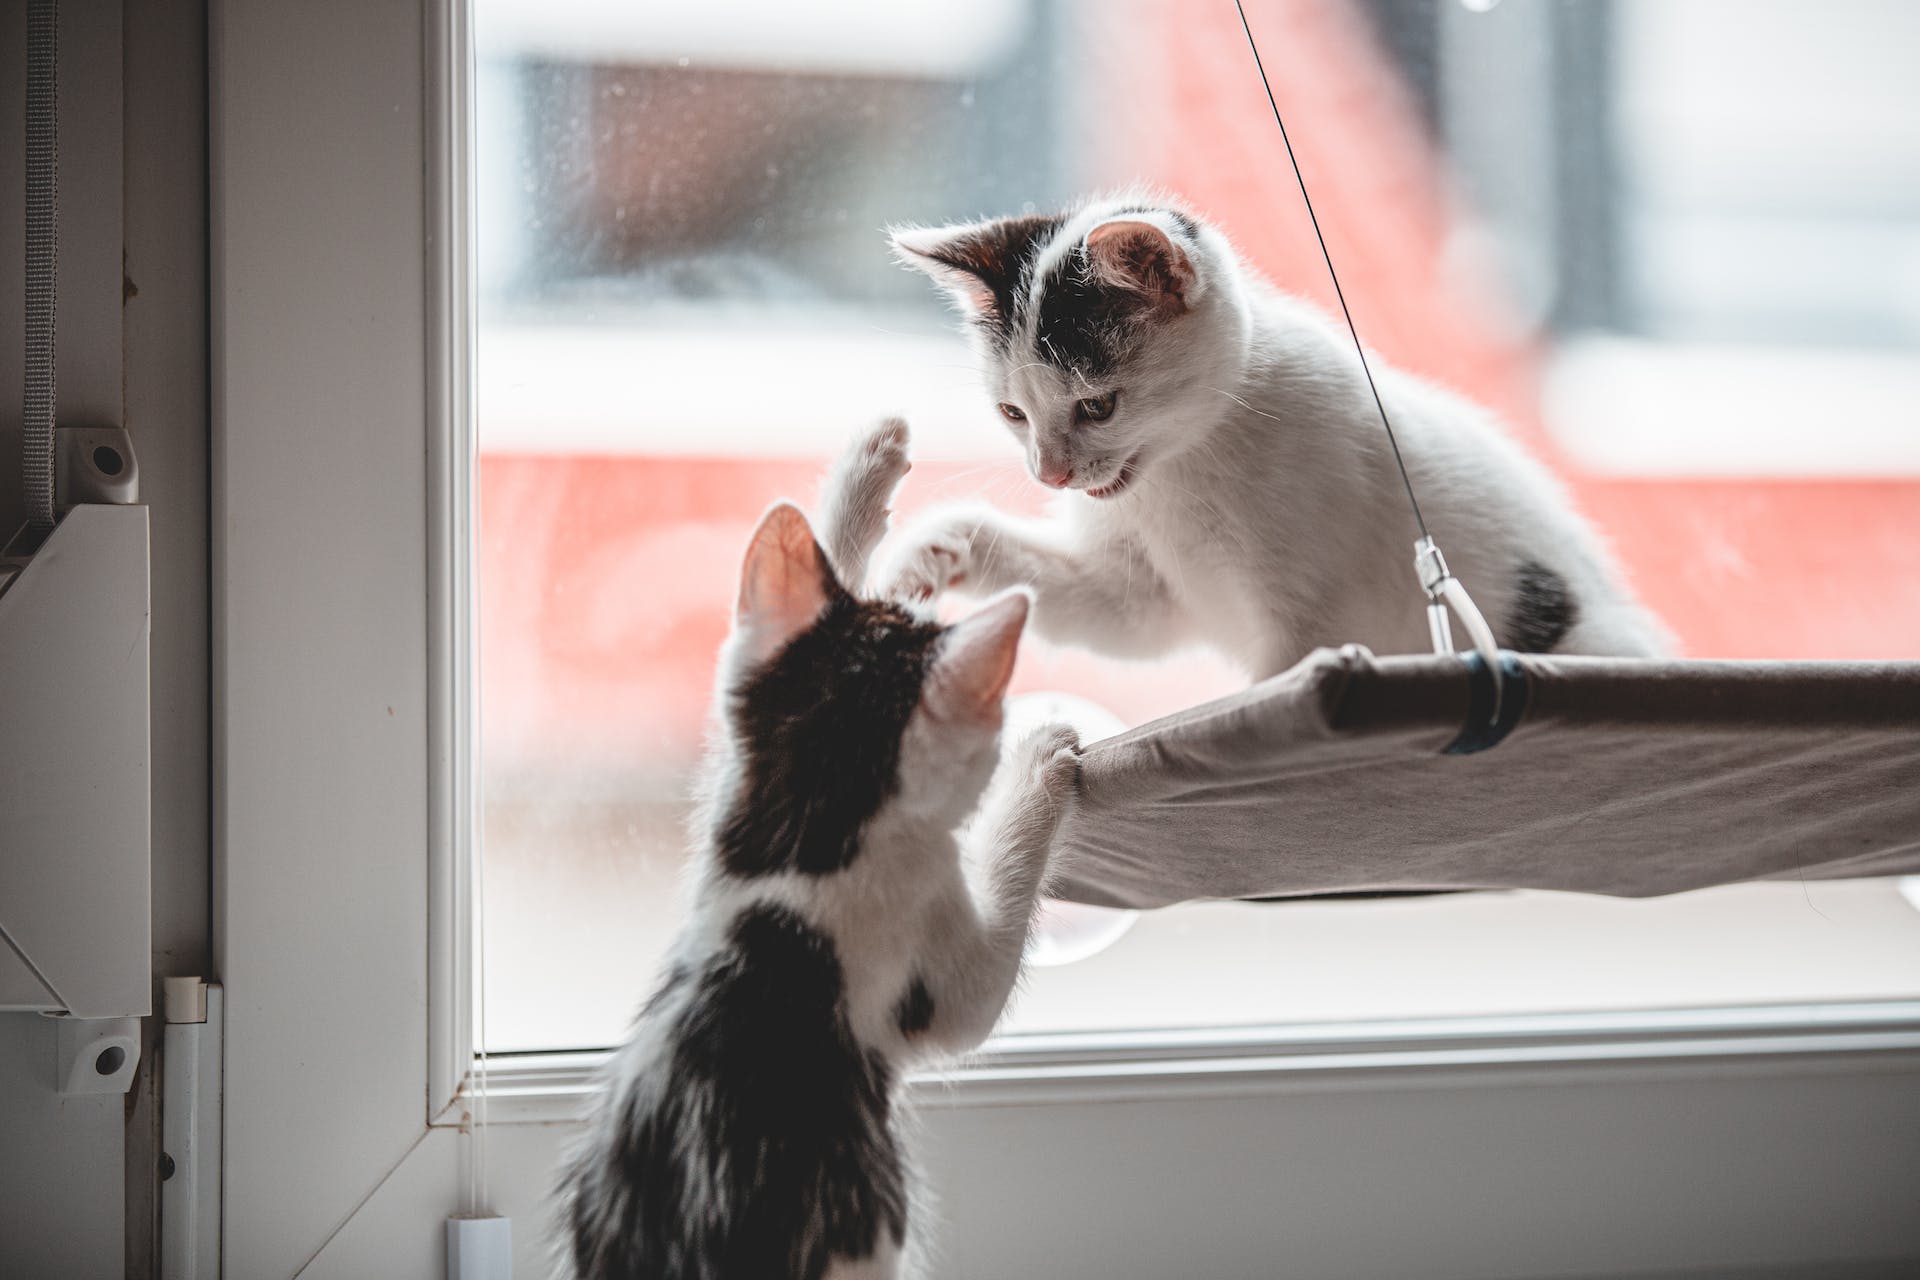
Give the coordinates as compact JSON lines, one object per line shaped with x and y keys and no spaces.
{"x":1332,"y":275}
{"x":1443,"y":590}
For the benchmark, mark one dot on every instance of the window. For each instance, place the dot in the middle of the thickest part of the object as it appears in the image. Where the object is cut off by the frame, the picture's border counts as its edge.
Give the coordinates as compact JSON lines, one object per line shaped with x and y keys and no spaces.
{"x":1651,"y":236}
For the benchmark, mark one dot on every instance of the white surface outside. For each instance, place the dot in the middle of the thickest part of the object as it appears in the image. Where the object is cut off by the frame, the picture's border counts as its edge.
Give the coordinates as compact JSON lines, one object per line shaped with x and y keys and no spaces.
{"x":1620,"y":406}
{"x":1627,"y":407}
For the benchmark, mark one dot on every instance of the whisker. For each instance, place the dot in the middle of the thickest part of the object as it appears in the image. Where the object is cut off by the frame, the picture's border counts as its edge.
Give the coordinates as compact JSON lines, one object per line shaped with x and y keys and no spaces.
{"x":1241,"y":401}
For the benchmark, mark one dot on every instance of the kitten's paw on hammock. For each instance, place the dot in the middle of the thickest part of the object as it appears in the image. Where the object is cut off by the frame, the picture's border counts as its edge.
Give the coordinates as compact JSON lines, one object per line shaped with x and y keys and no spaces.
{"x":1050,"y":756}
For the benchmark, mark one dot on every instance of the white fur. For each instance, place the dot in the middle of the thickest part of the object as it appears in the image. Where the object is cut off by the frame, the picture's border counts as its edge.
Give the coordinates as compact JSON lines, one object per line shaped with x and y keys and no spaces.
{"x":1265,"y":517}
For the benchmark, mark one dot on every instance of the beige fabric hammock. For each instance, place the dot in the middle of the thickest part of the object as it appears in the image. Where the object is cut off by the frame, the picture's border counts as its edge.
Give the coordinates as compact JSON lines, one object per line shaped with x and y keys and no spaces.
{"x":1625,"y":777}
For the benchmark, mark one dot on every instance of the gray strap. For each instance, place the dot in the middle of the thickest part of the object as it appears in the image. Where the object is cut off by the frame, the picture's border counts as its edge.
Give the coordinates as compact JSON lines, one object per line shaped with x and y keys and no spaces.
{"x":43,"y":235}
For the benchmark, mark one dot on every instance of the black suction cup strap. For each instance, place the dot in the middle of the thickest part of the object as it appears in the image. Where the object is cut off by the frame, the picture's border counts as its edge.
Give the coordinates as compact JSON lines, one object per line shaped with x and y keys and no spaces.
{"x":1483,"y":729}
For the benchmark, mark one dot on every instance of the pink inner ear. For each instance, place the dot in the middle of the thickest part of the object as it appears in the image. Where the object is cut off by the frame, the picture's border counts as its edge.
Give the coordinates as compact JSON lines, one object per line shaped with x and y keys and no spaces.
{"x":970,"y":289}
{"x":976,"y":661}
{"x":784,"y":582}
{"x":1141,"y":257}
{"x":942,"y":259}
{"x":975,"y":294}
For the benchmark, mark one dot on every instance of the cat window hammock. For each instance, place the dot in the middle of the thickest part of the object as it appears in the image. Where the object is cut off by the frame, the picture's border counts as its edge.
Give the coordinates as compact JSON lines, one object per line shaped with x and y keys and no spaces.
{"x":1632,"y":777}
{"x":1629,"y":777}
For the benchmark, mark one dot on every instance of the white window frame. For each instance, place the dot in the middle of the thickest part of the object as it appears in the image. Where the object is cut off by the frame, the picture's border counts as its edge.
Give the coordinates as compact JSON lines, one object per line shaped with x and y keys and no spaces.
{"x":1666,"y":1142}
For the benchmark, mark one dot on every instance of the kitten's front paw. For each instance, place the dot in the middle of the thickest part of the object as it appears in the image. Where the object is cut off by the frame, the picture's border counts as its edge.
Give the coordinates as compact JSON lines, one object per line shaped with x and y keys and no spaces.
{"x":1049,"y":760}
{"x":932,"y":557}
{"x":855,"y":500}
{"x":1043,"y":785}
{"x":879,"y":457}
{"x":1051,"y":756}
{"x":863,"y":480}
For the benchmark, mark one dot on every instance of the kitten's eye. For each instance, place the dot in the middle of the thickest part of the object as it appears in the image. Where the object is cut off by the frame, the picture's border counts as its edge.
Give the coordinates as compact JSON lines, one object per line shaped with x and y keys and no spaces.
{"x":1096,"y":409}
{"x":1012,"y":413}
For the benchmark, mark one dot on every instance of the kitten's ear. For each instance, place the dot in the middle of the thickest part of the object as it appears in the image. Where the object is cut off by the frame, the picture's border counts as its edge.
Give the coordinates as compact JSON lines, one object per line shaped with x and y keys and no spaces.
{"x":977,"y":263}
{"x":784,"y":584}
{"x":975,"y":662}
{"x":1141,"y":258}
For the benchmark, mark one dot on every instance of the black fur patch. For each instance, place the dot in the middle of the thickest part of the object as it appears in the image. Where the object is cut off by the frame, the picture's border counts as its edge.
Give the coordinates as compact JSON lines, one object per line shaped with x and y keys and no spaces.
{"x":1001,"y":255}
{"x":1543,"y":610}
{"x":820,"y":727}
{"x":1083,"y":326}
{"x":1087,"y":327}
{"x":764,"y":1146}
{"x":914,"y":1013}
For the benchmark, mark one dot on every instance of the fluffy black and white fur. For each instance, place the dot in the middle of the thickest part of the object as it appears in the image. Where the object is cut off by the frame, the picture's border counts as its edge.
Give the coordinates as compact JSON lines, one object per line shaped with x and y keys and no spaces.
{"x":750,"y":1129}
{"x":1228,"y":480}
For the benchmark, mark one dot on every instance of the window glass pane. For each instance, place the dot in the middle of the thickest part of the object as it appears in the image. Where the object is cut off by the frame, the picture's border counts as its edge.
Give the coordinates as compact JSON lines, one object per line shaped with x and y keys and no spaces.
{"x":1674,"y":244}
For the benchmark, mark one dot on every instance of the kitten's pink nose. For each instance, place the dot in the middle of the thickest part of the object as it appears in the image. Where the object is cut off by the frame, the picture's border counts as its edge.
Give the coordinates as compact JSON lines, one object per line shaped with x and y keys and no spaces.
{"x":1056,"y":475}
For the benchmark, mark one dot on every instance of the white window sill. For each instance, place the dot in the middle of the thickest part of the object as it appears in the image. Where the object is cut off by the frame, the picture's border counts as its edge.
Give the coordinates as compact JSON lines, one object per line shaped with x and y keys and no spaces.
{"x":547,"y":1088}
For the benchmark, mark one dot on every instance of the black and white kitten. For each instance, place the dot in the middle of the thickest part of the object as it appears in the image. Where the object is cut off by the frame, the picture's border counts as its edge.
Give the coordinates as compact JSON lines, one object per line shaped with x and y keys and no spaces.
{"x":1228,"y":480}
{"x":750,"y":1127}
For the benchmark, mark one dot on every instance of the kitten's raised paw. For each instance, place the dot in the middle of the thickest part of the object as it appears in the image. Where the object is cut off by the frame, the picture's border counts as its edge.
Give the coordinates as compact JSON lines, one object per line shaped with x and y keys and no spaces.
{"x":854,"y":501}
{"x":886,"y":442}
{"x":879,"y":457}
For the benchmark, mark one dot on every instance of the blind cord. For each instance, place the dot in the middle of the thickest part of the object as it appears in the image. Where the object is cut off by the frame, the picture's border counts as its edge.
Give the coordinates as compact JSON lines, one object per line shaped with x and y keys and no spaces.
{"x":42,"y":256}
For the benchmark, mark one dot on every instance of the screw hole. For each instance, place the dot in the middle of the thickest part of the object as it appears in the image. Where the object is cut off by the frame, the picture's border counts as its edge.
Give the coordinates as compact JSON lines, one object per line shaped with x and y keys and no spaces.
{"x":166,"y":1167}
{"x":111,"y":1059}
{"x":108,"y":460}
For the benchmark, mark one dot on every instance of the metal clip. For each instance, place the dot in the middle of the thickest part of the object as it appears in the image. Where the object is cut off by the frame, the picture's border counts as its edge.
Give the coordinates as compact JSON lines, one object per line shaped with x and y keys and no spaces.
{"x":1445,"y":592}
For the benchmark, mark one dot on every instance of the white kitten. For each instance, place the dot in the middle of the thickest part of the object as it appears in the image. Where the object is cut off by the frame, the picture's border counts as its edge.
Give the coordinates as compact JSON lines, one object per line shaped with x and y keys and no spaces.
{"x":750,"y":1125}
{"x":1228,"y":479}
